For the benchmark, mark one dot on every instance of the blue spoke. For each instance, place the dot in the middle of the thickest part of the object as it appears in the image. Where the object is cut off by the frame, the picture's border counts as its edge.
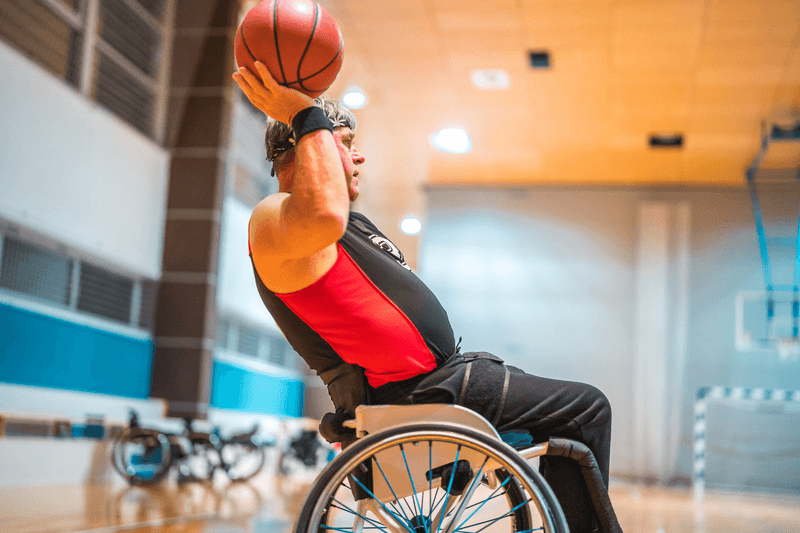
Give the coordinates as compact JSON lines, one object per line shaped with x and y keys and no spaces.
{"x":398,"y":500}
{"x":490,"y":522}
{"x":487,"y":499}
{"x":491,"y":497}
{"x":400,"y":519}
{"x":449,"y":485}
{"x":331,"y":528}
{"x":474,"y":479}
{"x":430,"y":478}
{"x":344,"y":507}
{"x":413,"y":489}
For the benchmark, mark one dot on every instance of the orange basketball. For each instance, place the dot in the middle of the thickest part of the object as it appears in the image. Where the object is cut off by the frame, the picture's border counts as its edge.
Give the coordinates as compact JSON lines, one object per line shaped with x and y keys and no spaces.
{"x":298,"y":41}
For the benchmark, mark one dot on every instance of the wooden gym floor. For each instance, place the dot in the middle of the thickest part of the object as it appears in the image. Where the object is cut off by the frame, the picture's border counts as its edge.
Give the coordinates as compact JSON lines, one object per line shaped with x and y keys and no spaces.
{"x":268,"y":505}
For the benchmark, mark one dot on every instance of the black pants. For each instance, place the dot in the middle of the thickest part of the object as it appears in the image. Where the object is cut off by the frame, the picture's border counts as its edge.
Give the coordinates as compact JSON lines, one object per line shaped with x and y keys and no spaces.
{"x":544,"y":407}
{"x":551,"y":408}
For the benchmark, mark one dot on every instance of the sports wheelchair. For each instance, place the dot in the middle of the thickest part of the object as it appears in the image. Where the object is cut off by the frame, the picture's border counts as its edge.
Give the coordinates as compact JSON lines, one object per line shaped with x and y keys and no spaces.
{"x":439,"y":468}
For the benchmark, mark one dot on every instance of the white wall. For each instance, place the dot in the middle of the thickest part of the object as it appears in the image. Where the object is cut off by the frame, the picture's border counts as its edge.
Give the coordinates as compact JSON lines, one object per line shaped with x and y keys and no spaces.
{"x":73,"y":171}
{"x":236,"y":287}
{"x":542,"y":282}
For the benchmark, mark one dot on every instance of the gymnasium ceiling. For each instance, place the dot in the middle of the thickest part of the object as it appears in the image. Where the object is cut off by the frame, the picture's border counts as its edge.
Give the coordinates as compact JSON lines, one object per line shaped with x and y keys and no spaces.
{"x":620,"y":70}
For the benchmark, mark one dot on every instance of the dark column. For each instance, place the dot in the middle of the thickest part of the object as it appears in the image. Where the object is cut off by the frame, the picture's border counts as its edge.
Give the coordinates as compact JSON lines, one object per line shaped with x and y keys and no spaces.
{"x":198,"y":122}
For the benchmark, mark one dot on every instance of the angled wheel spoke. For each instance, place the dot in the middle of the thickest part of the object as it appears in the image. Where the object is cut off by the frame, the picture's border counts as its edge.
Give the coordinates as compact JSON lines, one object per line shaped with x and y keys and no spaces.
{"x":389,"y":484}
{"x":363,"y":516}
{"x":495,"y":520}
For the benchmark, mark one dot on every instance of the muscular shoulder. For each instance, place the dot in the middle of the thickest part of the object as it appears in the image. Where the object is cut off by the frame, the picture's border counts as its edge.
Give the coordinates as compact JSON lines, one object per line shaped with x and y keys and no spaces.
{"x":286,"y":255}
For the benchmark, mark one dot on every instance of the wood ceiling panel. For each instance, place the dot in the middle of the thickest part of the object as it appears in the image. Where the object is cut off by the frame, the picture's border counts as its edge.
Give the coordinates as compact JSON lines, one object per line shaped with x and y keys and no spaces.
{"x":641,"y":165}
{"x":753,"y":14}
{"x":358,"y":10}
{"x":791,"y":74}
{"x":564,"y":15}
{"x":703,"y":123}
{"x":468,"y":17}
{"x":644,"y":108}
{"x":731,"y":76}
{"x":716,"y":160}
{"x":738,"y":55}
{"x":662,"y":40}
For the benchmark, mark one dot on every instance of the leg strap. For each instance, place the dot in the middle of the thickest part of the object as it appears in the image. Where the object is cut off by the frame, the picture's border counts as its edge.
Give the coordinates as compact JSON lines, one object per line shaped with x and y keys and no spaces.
{"x":503,"y":396}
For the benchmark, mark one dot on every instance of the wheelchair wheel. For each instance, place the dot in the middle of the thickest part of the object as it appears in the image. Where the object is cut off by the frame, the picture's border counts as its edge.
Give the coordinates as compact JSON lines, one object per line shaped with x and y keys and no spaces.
{"x":426,"y":478}
{"x":142,"y":456}
{"x":243,"y":460}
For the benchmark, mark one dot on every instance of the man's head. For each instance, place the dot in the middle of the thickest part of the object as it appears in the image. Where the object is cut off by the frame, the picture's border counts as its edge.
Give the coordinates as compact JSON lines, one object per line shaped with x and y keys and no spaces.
{"x":279,"y":141}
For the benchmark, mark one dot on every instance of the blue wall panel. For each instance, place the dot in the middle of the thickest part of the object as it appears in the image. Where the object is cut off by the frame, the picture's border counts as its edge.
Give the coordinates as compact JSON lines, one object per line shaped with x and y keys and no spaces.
{"x":43,"y":351}
{"x":241,"y":389}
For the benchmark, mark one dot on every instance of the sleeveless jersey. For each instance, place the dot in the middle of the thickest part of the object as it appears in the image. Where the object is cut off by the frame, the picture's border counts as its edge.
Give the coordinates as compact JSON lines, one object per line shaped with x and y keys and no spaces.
{"x":369,"y":310}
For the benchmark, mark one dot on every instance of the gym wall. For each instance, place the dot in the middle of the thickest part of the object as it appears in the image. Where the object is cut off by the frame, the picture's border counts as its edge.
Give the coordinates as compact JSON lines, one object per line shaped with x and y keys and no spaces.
{"x":633,"y":291}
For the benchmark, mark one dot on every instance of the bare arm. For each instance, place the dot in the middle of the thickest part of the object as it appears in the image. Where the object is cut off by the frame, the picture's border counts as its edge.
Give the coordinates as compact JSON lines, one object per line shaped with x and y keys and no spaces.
{"x":314,"y":216}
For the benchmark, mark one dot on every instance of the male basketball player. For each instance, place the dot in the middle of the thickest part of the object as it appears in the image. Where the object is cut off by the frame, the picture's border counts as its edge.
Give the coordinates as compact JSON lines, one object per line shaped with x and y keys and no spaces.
{"x":349,"y":305}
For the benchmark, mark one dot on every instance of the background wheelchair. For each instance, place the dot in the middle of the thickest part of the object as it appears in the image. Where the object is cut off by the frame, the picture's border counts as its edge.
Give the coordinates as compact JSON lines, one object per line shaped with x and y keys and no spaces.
{"x":440,"y":468}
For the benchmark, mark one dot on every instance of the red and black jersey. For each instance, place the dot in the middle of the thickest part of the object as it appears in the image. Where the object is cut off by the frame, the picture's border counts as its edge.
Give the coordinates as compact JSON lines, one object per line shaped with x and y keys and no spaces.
{"x":369,"y":310}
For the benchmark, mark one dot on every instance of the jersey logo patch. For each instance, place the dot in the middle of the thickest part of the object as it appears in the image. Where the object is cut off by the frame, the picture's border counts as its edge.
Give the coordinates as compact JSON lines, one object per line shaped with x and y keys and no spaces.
{"x":388,"y":246}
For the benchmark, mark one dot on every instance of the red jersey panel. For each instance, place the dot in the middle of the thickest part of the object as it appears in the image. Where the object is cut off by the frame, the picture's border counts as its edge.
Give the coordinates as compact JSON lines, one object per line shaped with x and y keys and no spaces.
{"x":362,"y":324}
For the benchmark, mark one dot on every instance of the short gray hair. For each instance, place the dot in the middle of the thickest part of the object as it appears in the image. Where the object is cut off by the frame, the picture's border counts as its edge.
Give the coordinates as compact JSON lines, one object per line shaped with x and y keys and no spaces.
{"x":279,"y":136}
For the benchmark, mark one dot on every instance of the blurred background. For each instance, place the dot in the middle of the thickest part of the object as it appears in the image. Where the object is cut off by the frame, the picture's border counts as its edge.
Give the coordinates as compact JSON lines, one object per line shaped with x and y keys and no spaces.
{"x":602,"y":191}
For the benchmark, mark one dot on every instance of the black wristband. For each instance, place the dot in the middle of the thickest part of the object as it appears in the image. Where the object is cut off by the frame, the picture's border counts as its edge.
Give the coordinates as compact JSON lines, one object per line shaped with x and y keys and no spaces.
{"x":310,"y":119}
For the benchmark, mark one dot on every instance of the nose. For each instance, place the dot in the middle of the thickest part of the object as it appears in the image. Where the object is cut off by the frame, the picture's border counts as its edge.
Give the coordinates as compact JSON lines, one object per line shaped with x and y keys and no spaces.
{"x":357,"y":157}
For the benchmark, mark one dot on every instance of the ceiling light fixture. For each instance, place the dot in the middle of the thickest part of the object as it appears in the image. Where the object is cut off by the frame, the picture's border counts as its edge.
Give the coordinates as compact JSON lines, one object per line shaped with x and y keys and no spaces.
{"x":354,"y":98}
{"x":452,"y":140}
{"x":493,"y":79}
{"x":410,"y":225}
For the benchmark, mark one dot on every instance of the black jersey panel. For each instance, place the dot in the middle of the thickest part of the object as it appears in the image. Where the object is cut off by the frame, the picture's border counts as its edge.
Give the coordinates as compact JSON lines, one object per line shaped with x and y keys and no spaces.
{"x":380,"y":260}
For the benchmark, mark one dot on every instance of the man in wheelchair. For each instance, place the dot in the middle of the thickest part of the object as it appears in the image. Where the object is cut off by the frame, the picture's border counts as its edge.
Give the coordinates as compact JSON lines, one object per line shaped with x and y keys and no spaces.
{"x":349,"y":305}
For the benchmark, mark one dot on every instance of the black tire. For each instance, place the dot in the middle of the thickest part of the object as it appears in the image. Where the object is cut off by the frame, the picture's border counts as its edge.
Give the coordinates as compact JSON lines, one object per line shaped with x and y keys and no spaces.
{"x":142,"y":456}
{"x":528,"y":503}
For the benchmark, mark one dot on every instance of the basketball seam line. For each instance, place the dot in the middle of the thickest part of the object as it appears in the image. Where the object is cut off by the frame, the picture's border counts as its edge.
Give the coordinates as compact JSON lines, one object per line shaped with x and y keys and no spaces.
{"x":300,"y":80}
{"x":241,"y":34}
{"x":275,"y":33}
{"x":308,"y":44}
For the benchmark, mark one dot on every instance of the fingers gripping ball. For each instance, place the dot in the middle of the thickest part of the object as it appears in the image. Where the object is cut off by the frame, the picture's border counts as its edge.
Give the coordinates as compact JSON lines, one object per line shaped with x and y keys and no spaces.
{"x":298,"y":41}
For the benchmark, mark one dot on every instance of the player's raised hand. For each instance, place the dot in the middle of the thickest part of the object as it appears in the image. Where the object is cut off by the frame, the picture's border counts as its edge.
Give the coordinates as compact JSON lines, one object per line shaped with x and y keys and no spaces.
{"x":275,"y":100}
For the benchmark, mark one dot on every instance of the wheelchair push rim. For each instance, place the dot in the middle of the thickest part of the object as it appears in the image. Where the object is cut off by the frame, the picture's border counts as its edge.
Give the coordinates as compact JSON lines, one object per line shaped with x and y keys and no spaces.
{"x":426,"y":489}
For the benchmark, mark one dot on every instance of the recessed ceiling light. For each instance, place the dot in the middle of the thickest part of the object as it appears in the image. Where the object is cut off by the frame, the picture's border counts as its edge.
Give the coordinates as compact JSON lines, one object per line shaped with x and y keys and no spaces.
{"x":452,"y":140}
{"x":354,"y":98}
{"x":492,"y":79}
{"x":410,"y":225}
